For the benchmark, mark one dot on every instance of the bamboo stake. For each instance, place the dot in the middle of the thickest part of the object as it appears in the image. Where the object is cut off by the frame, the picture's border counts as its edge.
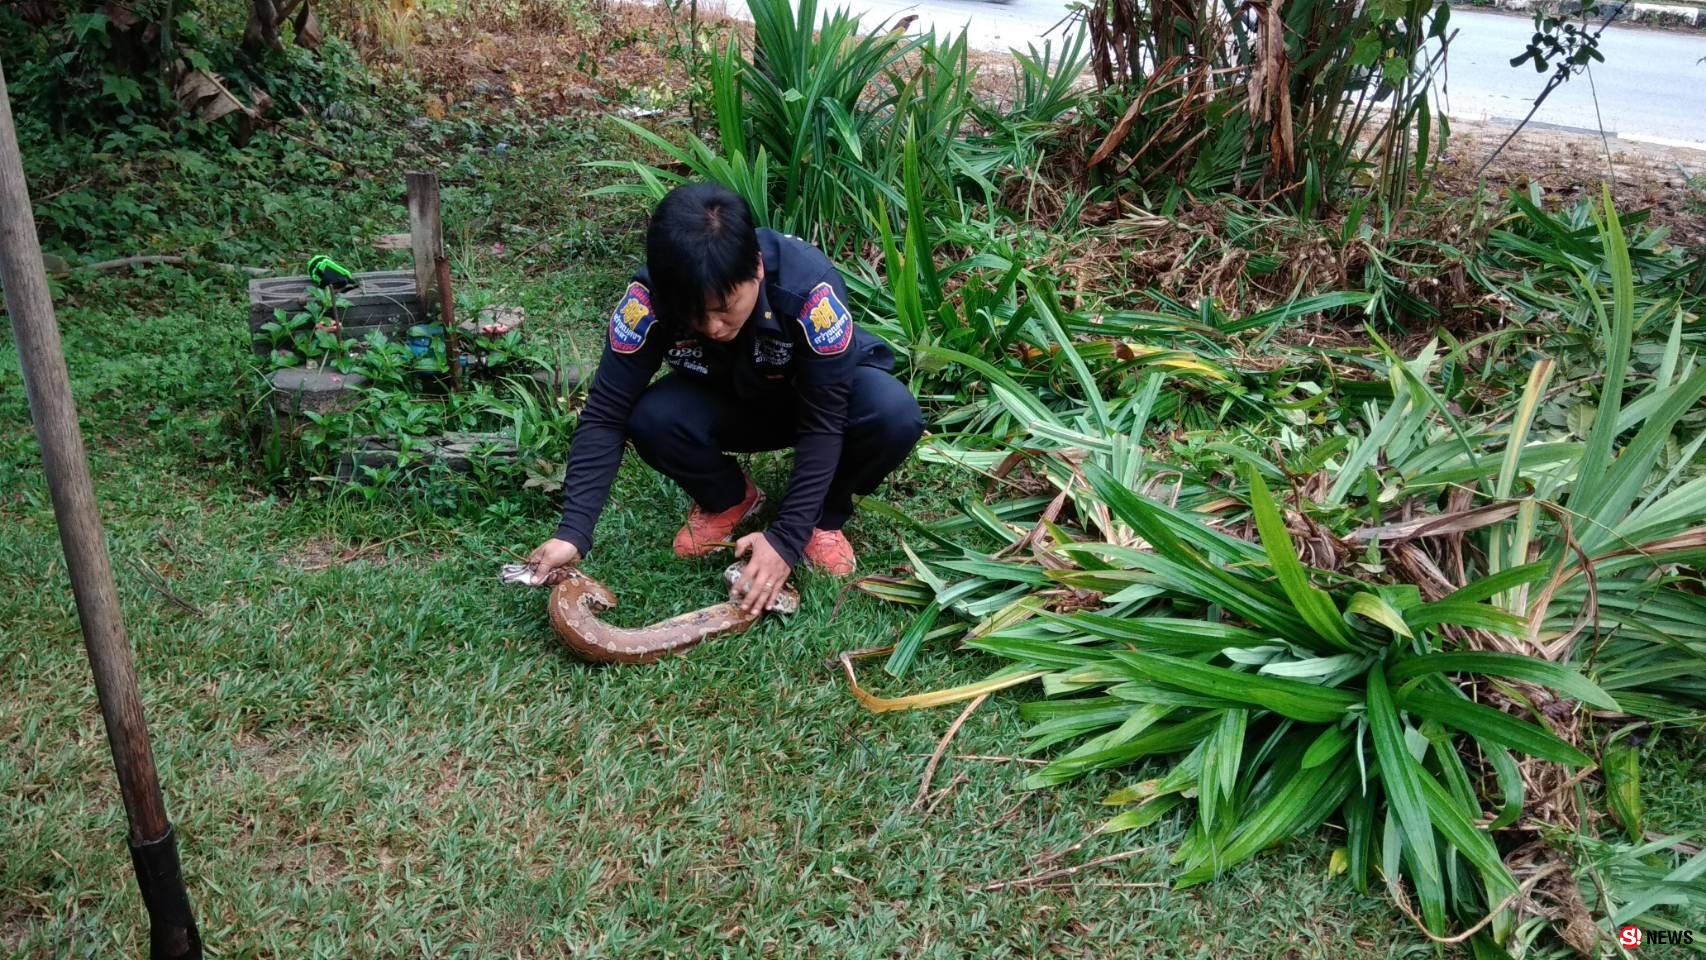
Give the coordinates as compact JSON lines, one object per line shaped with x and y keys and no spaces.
{"x":153,"y":847}
{"x":447,"y":316}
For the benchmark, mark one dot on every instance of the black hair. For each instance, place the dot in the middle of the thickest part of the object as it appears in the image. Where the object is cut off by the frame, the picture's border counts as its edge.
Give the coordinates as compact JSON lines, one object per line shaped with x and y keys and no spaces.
{"x":701,"y":245}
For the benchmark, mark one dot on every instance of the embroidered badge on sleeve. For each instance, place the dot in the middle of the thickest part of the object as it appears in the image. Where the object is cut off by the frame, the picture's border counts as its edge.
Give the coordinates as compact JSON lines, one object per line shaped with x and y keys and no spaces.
{"x":828,"y":325}
{"x":632,"y":319}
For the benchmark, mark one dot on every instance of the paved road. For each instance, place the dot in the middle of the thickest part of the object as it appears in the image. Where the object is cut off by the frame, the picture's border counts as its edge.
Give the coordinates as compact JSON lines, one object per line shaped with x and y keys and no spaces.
{"x":1651,"y":88}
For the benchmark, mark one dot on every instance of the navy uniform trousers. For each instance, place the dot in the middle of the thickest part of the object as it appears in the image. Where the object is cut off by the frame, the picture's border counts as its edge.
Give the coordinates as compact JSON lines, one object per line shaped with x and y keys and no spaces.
{"x":685,"y":430}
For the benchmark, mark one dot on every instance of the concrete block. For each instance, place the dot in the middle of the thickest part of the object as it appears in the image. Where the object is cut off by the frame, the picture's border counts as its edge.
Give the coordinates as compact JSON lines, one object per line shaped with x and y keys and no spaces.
{"x":457,"y":452}
{"x":460,"y":451}
{"x":314,"y":390}
{"x":495,"y":321}
{"x":560,"y":382}
{"x":382,"y":300}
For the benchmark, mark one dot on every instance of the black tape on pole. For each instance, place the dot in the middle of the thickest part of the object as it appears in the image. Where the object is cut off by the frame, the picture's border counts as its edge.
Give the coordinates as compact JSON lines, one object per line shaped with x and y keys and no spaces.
{"x":172,"y":933}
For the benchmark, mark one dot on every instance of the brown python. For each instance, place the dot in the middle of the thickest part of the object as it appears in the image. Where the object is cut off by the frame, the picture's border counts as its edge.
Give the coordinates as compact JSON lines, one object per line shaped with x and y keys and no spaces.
{"x":578,"y":600}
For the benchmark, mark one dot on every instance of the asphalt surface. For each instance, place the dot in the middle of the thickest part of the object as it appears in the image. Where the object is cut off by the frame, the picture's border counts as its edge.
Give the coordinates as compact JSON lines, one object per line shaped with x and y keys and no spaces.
{"x":1651,"y":87}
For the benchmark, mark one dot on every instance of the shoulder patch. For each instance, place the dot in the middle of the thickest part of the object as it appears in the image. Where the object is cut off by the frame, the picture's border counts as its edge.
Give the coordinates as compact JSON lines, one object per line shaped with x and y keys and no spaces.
{"x":828,"y":324}
{"x":632,"y":320}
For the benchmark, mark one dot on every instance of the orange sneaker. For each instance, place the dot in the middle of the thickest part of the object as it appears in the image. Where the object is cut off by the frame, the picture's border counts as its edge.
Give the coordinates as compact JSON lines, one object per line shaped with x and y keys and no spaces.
{"x":706,"y":533}
{"x":829,"y":552}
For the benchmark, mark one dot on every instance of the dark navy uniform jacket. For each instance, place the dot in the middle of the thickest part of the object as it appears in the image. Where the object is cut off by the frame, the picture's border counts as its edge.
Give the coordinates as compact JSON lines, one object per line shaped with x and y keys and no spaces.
{"x":800,"y":344}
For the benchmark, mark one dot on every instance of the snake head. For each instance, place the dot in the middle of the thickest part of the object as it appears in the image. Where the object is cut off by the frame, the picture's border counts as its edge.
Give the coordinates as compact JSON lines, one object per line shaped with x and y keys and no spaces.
{"x":527,"y":575}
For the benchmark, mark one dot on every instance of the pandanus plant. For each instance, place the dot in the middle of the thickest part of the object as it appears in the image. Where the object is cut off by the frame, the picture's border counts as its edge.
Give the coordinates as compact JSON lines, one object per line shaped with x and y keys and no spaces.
{"x":1422,"y":631}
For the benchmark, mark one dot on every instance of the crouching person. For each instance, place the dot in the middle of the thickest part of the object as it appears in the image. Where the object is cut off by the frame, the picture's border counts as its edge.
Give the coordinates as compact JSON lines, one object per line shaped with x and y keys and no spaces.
{"x":763,"y":354}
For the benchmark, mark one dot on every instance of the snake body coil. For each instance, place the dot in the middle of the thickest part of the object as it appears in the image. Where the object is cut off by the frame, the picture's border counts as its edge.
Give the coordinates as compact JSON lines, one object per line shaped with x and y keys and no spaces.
{"x":577,"y":602}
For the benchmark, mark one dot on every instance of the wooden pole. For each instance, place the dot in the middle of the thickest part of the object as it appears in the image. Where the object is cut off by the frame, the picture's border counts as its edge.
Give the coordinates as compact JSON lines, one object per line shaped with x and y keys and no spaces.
{"x":447,"y":314}
{"x":426,"y":235}
{"x":48,"y":386}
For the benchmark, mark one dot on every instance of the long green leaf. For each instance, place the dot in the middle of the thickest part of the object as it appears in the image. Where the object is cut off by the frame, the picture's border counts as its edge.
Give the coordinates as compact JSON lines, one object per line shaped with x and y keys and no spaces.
{"x":1158,"y":740}
{"x":1313,"y":604}
{"x":1327,"y":747}
{"x":1162,"y":633}
{"x":1478,"y":616}
{"x":906,"y":648}
{"x":1288,"y":698}
{"x":1015,"y":396}
{"x":1621,"y":764}
{"x":1403,"y":778}
{"x":1605,"y":507}
{"x":1672,"y":889}
{"x":1042,"y":653}
{"x":1592,"y":478}
{"x":1512,"y":666}
{"x":1494,"y":584}
{"x":1471,"y":841}
{"x":1188,"y":571}
{"x":1485,"y":723}
{"x":1302,"y":802}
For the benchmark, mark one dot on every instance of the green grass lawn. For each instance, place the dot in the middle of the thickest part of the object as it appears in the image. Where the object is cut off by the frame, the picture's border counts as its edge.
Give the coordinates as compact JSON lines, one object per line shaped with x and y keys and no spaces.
{"x":388,"y":754}
{"x":391,"y":756}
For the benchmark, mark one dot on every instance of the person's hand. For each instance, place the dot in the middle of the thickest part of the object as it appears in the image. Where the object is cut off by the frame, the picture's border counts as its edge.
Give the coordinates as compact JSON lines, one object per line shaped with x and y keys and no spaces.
{"x":763,"y":576}
{"x":552,"y":556}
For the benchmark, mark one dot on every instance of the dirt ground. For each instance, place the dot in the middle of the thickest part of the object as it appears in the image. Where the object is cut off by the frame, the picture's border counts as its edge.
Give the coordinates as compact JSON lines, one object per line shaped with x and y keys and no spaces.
{"x":568,"y":66}
{"x":559,"y":69}
{"x":1671,"y":181}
